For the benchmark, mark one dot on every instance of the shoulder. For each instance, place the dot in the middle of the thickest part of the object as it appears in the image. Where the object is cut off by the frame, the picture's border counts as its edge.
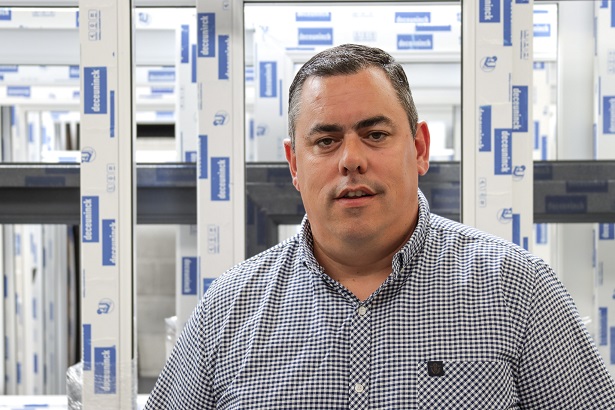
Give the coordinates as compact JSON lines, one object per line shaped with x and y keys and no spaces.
{"x":247,"y":281}
{"x":459,"y":238}
{"x":490,"y":258}
{"x":272,"y":261}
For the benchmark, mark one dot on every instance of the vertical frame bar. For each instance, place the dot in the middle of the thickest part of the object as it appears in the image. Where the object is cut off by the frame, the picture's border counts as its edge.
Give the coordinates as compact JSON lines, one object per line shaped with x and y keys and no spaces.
{"x":497,"y":83}
{"x":108,"y":204}
{"x":220,"y":185}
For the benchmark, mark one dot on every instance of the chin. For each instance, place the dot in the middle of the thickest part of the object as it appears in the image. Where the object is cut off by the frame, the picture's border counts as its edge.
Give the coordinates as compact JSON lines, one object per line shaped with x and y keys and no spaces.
{"x":355,"y":234}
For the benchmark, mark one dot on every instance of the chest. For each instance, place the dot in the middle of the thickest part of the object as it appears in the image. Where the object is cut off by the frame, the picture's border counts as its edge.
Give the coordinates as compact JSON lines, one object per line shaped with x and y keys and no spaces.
{"x":420,"y":350}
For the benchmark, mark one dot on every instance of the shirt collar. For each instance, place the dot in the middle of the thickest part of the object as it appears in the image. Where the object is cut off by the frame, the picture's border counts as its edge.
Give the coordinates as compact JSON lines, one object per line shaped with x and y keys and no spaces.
{"x":417,"y":240}
{"x":402,"y":257}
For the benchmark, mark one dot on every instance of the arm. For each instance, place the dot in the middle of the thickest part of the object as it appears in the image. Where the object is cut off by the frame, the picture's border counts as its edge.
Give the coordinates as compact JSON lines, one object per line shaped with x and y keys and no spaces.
{"x":560,"y":366}
{"x":186,"y":380}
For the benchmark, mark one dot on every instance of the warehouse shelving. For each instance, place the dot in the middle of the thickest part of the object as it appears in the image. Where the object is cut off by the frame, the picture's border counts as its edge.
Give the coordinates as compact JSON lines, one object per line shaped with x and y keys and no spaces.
{"x":166,"y":194}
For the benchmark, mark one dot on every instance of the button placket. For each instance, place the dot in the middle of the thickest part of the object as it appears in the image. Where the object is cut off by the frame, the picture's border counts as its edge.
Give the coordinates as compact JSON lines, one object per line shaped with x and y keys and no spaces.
{"x":360,"y":358}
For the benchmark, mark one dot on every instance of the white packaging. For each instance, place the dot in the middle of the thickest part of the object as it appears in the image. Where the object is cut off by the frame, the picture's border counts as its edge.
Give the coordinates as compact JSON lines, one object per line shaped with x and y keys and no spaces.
{"x":107,"y":204}
{"x":37,"y":18}
{"x":270,"y":100}
{"x":19,"y":335}
{"x":48,"y":307}
{"x":3,"y":291}
{"x":9,"y":358}
{"x":3,"y":280}
{"x":544,"y":110}
{"x":286,"y":36}
{"x":497,"y":162}
{"x":522,"y":123}
{"x":31,"y":273}
{"x":220,"y":163}
{"x":54,"y":308}
{"x":605,"y":81}
{"x":19,"y":153}
{"x":31,"y":251}
{"x":545,"y":32}
{"x":9,"y":294}
{"x":187,"y":275}
{"x":33,"y":279}
{"x":545,"y":113}
{"x":604,"y":293}
{"x":604,"y":149}
{"x":544,"y":134}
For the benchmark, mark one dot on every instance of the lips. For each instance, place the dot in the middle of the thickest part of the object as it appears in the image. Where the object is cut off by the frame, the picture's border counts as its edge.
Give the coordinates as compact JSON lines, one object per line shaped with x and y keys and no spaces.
{"x":359,"y":192}
{"x":353,"y":194}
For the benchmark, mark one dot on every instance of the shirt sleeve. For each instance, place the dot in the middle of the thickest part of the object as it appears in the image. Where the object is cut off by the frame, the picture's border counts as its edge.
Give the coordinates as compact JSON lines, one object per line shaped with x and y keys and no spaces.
{"x":186,"y":380}
{"x":560,"y":367}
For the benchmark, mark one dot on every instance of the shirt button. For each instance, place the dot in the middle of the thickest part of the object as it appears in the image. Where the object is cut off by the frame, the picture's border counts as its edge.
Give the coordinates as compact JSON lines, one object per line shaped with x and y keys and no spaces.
{"x":359,"y":388}
{"x":362,"y":310}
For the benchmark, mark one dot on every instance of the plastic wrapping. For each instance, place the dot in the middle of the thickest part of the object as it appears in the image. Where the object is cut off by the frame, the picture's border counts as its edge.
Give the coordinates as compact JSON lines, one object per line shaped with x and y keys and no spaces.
{"x":74,"y":386}
{"x":171,"y":327}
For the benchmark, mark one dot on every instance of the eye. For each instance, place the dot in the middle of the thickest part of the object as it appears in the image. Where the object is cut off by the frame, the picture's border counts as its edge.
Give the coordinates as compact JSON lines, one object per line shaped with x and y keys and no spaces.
{"x":325,"y":142}
{"x":377,"y":136}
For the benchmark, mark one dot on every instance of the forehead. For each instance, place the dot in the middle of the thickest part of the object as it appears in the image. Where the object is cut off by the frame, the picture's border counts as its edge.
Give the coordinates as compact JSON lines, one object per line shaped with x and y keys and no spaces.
{"x":368,"y":91}
{"x":366,"y":77}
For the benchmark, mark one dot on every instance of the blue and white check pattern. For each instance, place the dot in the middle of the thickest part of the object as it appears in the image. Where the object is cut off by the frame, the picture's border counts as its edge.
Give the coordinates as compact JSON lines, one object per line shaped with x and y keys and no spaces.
{"x":275,"y":332}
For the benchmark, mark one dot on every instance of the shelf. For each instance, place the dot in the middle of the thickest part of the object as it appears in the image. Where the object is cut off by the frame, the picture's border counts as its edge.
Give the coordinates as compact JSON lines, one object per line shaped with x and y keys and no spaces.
{"x":564,"y":191}
{"x":49,"y":193}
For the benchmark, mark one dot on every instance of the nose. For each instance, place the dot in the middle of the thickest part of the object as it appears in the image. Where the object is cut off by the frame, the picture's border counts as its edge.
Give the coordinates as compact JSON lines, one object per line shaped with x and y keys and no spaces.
{"x":353,"y":156}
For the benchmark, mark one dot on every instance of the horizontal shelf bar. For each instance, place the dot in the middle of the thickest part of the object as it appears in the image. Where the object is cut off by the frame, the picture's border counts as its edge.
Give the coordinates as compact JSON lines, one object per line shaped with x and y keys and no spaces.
{"x":564,"y":191}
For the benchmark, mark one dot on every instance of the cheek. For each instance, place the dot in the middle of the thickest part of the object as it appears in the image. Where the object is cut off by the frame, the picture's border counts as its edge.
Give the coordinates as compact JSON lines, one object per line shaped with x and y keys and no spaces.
{"x":308,"y":176}
{"x":313,"y":189}
{"x":310,"y":186}
{"x":402,"y":177}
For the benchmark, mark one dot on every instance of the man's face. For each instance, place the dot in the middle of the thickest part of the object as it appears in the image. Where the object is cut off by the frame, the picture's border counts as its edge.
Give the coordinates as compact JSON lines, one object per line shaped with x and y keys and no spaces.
{"x":355,"y":162}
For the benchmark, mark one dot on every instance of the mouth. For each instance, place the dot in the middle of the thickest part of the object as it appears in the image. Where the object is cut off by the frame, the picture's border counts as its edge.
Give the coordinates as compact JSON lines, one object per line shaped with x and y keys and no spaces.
{"x":355,"y":193}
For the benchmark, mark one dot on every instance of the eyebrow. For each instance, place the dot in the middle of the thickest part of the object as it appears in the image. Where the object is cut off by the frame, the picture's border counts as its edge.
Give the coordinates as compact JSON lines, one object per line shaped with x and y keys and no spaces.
{"x":366,"y":123}
{"x":325,"y":128}
{"x":370,"y":122}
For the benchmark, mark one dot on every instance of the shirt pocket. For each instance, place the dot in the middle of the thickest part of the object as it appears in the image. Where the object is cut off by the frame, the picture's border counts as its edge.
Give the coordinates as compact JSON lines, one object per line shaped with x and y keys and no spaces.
{"x":465,"y":385}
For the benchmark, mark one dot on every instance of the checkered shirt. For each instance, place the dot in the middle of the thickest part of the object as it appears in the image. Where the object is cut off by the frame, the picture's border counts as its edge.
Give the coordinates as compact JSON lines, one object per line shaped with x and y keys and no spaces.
{"x":464,"y":321}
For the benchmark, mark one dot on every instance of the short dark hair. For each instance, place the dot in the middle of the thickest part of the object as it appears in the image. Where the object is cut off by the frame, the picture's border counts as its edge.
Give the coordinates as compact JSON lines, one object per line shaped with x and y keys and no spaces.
{"x":349,"y":59}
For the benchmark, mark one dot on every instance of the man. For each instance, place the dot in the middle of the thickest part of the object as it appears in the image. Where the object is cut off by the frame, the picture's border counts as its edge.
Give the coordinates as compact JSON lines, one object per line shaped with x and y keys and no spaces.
{"x":377,"y":303}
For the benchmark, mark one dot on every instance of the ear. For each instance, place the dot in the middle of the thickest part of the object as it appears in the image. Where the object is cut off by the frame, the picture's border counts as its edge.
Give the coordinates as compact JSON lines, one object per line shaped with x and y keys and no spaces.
{"x":421,"y":143}
{"x":291,"y":157}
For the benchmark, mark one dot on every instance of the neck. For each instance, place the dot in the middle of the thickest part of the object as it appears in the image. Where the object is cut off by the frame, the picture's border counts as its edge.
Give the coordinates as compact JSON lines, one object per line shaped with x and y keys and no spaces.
{"x":360,"y":268}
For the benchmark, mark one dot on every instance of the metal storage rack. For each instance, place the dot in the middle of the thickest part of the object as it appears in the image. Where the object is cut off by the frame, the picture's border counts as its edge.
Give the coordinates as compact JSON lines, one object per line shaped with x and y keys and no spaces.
{"x":564,"y":192}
